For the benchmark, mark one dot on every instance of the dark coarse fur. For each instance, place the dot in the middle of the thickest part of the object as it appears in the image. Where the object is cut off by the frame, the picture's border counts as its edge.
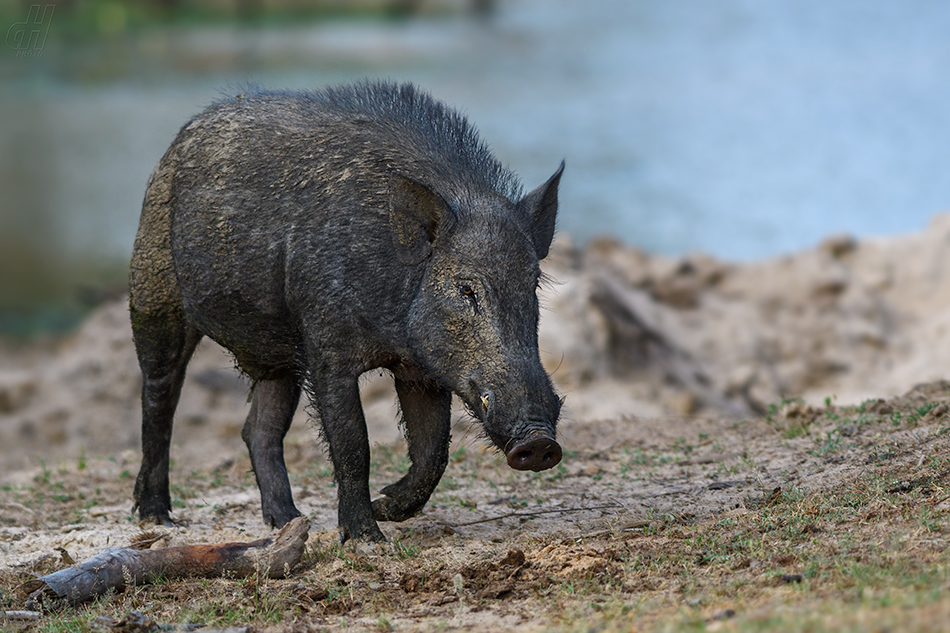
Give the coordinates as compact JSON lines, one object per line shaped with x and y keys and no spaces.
{"x":318,"y":235}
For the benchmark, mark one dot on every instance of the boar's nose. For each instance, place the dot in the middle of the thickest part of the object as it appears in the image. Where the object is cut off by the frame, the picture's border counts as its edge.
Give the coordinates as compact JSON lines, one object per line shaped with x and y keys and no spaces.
{"x":535,"y":453}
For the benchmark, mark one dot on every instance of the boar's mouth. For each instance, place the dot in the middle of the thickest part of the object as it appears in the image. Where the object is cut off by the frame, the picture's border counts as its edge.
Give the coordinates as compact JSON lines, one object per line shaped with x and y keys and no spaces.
{"x":535,"y":449}
{"x":534,"y":453}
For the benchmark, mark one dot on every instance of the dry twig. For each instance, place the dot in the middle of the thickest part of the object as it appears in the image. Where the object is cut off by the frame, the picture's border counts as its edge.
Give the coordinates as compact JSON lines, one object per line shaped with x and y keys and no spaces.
{"x":534,"y":513}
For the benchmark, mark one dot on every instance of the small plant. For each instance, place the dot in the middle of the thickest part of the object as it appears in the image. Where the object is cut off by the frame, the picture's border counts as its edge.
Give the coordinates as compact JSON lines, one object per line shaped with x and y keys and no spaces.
{"x":405,"y":550}
{"x":681,"y":444}
{"x":833,"y":438}
{"x":636,"y":458}
{"x":917,"y":414}
{"x":927,"y":408}
{"x":43,"y":477}
{"x":880,"y":454}
{"x":929,"y":519}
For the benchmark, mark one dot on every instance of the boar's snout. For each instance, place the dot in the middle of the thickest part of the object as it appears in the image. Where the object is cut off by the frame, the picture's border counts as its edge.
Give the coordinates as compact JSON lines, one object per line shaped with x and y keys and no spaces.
{"x":535,"y":453}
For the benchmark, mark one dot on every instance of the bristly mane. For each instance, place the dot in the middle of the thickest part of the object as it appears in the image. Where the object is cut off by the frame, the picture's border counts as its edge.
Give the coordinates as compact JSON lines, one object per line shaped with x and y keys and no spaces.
{"x":415,"y":112}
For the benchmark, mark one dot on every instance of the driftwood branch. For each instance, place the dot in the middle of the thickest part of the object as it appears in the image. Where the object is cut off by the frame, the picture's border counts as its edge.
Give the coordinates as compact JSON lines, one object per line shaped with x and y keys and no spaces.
{"x":639,"y":340}
{"x":118,"y":567}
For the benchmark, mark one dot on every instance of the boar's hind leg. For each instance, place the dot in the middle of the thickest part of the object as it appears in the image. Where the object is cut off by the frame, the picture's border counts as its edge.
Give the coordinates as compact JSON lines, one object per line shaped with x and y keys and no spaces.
{"x":337,"y":400}
{"x":426,"y":410}
{"x":272,"y":410}
{"x":164,"y":345}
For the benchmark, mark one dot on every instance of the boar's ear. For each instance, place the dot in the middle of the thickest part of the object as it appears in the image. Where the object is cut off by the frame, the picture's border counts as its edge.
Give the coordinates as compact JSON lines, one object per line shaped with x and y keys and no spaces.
{"x":417,"y":214}
{"x":540,"y":209}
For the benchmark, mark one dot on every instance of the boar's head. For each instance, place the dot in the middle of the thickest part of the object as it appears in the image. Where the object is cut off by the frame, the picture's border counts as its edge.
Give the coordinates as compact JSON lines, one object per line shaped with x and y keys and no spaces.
{"x":474,"y":322}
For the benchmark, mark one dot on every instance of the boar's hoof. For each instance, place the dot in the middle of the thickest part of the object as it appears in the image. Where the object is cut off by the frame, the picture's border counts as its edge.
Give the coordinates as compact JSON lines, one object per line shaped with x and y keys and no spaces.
{"x":154,"y":513}
{"x":369,"y":534}
{"x":156,"y":519}
{"x":280,"y":518}
{"x":390,"y":509}
{"x":536,"y":453}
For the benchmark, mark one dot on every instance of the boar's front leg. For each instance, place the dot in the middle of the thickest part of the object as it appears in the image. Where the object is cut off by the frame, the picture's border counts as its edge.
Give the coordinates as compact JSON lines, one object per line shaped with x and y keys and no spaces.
{"x":272,"y":410}
{"x":426,"y":411}
{"x":337,"y":400}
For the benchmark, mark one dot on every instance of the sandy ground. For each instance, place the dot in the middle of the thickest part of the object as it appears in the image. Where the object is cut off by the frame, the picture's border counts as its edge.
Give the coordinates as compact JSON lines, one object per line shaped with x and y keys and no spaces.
{"x":838,"y":324}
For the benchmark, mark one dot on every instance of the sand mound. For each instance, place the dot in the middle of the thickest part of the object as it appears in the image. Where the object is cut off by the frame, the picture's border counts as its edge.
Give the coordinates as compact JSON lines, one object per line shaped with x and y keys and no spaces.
{"x":847,"y":319}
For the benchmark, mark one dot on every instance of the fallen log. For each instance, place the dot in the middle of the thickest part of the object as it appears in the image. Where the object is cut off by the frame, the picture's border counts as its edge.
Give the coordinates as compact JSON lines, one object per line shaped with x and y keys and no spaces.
{"x":115,"y":568}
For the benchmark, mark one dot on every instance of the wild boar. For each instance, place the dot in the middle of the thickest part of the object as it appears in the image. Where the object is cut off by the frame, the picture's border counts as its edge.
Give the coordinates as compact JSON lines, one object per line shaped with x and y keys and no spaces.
{"x":319,"y":235}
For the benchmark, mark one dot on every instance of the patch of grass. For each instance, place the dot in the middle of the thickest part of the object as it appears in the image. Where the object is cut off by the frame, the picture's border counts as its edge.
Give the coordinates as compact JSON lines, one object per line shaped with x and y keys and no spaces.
{"x":833,"y":438}
{"x":794,"y":555}
{"x":844,"y":553}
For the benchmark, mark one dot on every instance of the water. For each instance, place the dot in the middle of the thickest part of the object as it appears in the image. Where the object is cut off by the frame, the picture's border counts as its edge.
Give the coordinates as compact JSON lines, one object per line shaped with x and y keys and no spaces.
{"x":741,"y":128}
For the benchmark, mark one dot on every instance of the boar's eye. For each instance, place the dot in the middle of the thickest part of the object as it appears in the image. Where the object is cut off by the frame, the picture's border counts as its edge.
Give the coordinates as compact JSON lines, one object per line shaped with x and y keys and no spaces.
{"x":469,"y":293}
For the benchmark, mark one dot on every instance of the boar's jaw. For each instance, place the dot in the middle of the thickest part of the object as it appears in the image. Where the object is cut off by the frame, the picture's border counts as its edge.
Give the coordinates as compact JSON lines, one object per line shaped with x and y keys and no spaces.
{"x":526,"y":440}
